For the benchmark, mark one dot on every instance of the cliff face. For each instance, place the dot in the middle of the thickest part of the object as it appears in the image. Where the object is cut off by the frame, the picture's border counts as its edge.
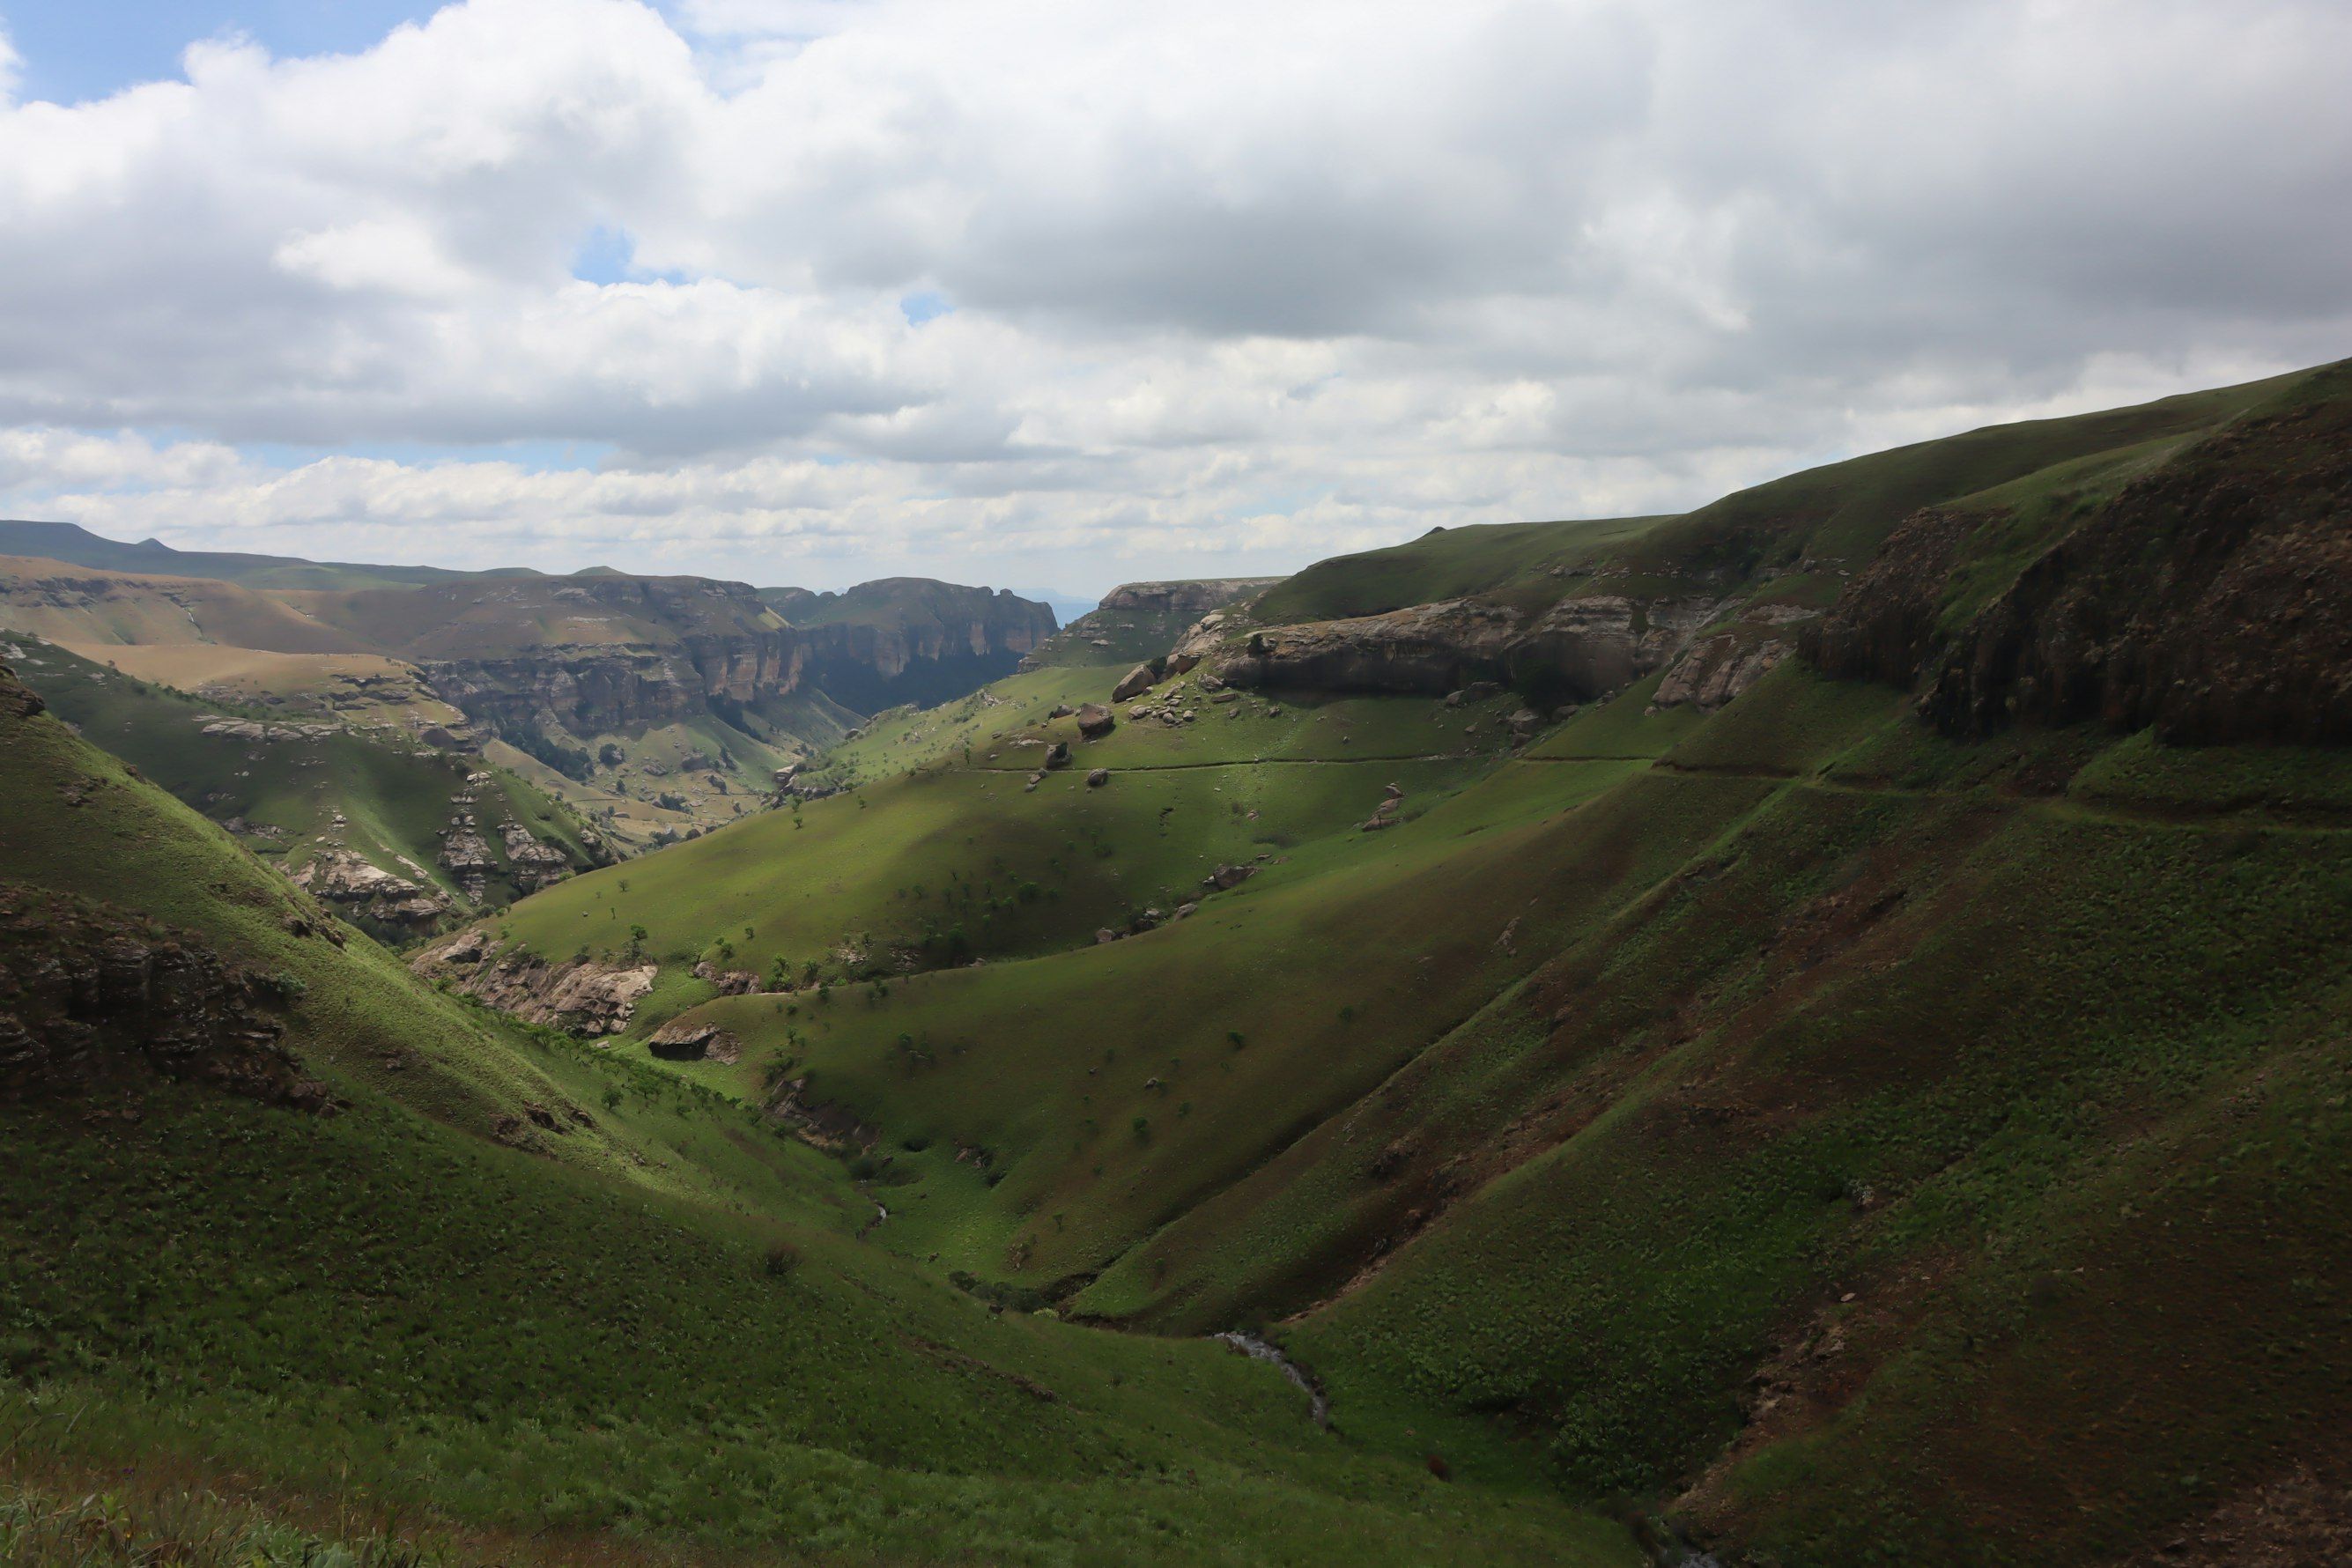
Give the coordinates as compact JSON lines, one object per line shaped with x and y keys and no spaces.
{"x":1579,"y":648}
{"x":2211,"y":599}
{"x":589,"y":654}
{"x":599,"y":689}
{"x":911,"y":639}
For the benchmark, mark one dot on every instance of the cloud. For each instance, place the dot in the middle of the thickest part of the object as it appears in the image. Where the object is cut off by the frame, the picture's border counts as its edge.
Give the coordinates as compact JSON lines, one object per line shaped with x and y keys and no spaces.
{"x":1228,"y":279}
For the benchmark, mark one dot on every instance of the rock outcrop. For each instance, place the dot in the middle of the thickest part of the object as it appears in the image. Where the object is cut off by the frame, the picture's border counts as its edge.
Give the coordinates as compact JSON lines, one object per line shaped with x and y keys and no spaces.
{"x":1718,"y":667}
{"x":681,"y":1040}
{"x":1094,"y":720}
{"x":88,"y":992}
{"x":1141,"y":620}
{"x":585,"y":996}
{"x":532,"y":865}
{"x":362,"y":893}
{"x":2210,"y":598}
{"x":1582,"y":646}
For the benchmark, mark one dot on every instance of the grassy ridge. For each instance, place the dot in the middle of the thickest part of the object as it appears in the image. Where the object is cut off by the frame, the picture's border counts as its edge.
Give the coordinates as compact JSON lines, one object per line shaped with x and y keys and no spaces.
{"x":393,"y":793}
{"x":1817,"y":1004}
{"x":657,"y":1325}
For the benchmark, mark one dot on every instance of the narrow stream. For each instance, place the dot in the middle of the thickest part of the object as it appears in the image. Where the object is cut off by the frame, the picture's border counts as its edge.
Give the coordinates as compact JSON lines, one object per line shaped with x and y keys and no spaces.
{"x":1257,"y":1349}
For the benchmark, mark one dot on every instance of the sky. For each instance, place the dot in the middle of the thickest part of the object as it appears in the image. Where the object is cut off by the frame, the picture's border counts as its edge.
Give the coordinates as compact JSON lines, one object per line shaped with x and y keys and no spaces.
{"x":1057,"y":295}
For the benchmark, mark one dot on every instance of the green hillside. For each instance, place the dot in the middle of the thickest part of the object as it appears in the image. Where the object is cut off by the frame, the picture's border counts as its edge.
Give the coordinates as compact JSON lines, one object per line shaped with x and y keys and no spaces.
{"x":1761,"y":1111}
{"x":630,"y":1308}
{"x":1866,"y":1085}
{"x":311,"y":787}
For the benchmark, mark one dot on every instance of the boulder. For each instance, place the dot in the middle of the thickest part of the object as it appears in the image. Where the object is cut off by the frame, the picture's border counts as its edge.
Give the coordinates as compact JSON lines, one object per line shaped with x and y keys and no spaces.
{"x":1061,"y":710}
{"x":1136,"y":681}
{"x":1057,"y":754}
{"x":1094,"y":720}
{"x":730,"y":982}
{"x":685,"y":1040}
{"x":1098,"y":778}
{"x":1225,"y":877}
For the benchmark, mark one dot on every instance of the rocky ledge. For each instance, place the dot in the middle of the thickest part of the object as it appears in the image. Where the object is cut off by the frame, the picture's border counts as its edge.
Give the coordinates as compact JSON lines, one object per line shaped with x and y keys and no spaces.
{"x":88,"y":992}
{"x":359,"y":890}
{"x":1583,"y":646}
{"x":2211,"y":599}
{"x":583,"y":995}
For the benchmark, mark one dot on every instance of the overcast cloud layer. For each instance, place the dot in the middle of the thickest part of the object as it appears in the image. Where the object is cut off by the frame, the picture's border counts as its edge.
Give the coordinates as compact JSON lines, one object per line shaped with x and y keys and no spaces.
{"x":1054,"y":295}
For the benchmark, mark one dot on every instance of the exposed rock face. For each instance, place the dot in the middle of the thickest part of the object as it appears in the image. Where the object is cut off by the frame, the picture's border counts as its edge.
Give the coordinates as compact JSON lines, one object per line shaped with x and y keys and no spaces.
{"x":1584,"y":646}
{"x":1715,"y":669}
{"x":590,"y":654}
{"x":1190,"y":600}
{"x":18,"y":701}
{"x":530,"y":864}
{"x":87,"y":991}
{"x":466,"y":855}
{"x":1141,"y":620}
{"x":585,"y":996}
{"x":2211,"y":599}
{"x":730,"y":981}
{"x":911,"y":639}
{"x":253,"y":730}
{"x":680,"y":1040}
{"x":359,"y":890}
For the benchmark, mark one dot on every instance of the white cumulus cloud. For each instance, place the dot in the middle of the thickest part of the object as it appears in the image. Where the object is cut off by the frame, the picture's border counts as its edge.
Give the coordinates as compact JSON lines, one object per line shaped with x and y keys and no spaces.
{"x":1053,"y":291}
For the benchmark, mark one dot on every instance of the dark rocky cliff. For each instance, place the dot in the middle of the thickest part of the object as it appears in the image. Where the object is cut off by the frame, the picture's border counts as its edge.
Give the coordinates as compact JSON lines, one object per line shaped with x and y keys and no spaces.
{"x":2210,"y":598}
{"x":88,"y":993}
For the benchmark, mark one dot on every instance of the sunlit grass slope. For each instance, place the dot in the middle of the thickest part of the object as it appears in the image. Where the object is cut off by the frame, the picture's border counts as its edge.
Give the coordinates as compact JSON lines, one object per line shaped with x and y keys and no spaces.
{"x":657,"y":1327}
{"x":393,"y":793}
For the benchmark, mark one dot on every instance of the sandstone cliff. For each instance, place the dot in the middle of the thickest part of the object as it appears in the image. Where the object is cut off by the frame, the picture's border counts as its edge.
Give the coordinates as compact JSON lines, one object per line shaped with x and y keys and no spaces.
{"x":909,"y":639}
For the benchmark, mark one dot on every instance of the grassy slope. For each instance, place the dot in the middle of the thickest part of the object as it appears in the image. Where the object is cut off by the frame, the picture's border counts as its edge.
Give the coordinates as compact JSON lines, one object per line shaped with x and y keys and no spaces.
{"x":586,"y":1338}
{"x":947,"y":856}
{"x":393,"y":793}
{"x":1815,"y":1006}
{"x":1805,"y":527}
{"x":358,"y":688}
{"x":80,"y":605}
{"x":1443,"y":563}
{"x":1765,"y":1061}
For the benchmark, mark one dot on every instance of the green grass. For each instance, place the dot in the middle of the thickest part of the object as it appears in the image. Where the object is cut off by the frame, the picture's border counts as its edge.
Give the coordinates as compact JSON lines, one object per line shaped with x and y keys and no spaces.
{"x":1805,"y":999}
{"x":595,"y":1336}
{"x":393,"y":793}
{"x":1444,"y":564}
{"x":951,"y":856}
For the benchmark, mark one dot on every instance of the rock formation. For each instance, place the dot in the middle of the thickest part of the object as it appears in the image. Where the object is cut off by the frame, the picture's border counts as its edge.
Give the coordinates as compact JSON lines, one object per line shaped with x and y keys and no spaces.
{"x":87,"y":991}
{"x":2211,"y":599}
{"x":680,"y":1040}
{"x":585,"y":996}
{"x":360,"y":891}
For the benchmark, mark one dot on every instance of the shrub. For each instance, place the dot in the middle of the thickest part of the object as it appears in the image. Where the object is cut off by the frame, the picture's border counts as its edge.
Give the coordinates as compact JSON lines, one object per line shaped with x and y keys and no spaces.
{"x":782,"y":1259}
